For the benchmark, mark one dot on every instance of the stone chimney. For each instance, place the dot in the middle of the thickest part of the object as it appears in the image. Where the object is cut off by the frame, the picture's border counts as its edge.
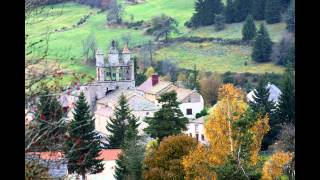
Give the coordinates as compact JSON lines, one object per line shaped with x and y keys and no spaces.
{"x":155,"y":79}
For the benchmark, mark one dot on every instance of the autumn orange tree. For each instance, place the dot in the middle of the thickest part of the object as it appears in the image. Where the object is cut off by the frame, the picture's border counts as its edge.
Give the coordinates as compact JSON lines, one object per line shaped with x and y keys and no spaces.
{"x":234,"y":133}
{"x":273,"y":168}
{"x":165,"y":161}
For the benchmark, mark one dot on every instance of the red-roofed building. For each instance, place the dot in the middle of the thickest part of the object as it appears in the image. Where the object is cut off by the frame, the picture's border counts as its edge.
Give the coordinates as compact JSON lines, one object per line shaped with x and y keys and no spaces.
{"x":109,"y":157}
{"x":109,"y":154}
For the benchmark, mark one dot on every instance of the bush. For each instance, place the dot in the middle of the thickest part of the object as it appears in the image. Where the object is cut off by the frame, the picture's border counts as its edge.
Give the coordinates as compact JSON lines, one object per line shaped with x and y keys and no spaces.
{"x":219,"y":22}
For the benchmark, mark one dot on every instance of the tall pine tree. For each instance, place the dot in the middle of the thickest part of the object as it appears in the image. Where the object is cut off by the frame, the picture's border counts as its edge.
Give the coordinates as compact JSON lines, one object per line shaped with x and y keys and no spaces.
{"x":261,"y":101}
{"x":262,"y":106}
{"x":273,"y":11}
{"x":286,"y":108}
{"x":249,"y":29}
{"x":206,"y":10}
{"x":49,"y":121}
{"x":258,"y":10}
{"x":129,"y":164}
{"x":262,"y":46}
{"x":290,"y":18}
{"x":230,"y":11}
{"x":169,"y":120}
{"x":243,"y":9}
{"x":117,"y":124}
{"x":84,"y":145}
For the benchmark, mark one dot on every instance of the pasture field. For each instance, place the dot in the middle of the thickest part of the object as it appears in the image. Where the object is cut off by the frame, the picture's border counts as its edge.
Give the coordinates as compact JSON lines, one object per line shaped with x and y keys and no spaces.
{"x":65,"y":47}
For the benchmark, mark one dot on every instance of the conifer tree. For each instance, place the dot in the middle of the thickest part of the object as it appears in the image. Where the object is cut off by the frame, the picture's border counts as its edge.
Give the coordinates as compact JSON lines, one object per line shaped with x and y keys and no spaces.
{"x":129,"y":164}
{"x":230,"y":11}
{"x":290,"y":19}
{"x":262,"y":106}
{"x":262,"y":46}
{"x":248,"y":29}
{"x":261,"y":101}
{"x":206,"y":10}
{"x":243,"y":9}
{"x":273,"y":11}
{"x":49,"y":120}
{"x":84,"y":145}
{"x":117,"y":124}
{"x":120,"y":171}
{"x":286,"y":107}
{"x":169,"y":120}
{"x":258,"y":10}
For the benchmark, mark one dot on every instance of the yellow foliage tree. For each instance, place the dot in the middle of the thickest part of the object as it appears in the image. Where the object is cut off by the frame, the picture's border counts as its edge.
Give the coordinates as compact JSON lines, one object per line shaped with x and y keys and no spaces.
{"x":149,"y":72}
{"x":232,"y":131}
{"x":273,"y":168}
{"x":197,"y":164}
{"x":218,"y":129}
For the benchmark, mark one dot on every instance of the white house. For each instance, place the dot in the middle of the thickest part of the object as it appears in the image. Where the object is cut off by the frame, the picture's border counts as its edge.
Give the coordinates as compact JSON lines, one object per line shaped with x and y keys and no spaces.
{"x":196,"y":129}
{"x":191,"y":101}
{"x":109,"y":157}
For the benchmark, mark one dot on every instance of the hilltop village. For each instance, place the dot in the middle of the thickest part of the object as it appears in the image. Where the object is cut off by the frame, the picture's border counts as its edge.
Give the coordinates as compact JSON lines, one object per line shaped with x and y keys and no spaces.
{"x":114,"y":76}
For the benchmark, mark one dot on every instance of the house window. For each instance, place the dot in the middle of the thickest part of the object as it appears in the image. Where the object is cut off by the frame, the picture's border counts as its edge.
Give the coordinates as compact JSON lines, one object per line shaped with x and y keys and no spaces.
{"x":202,"y":137}
{"x":189,"y":111}
{"x":190,"y":134}
{"x":189,"y":99}
{"x":197,"y":137}
{"x":147,"y":113}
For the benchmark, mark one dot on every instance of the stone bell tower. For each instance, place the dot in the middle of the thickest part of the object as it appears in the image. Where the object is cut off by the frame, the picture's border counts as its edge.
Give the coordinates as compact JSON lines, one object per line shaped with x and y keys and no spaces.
{"x":117,"y":72}
{"x":100,"y":66}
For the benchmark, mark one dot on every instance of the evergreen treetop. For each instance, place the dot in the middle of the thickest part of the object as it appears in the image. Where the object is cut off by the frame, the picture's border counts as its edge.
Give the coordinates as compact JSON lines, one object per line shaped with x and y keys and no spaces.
{"x":286,"y":107}
{"x":258,"y":10}
{"x":249,"y":29}
{"x":83,"y":145}
{"x":129,"y":164}
{"x":230,"y":11}
{"x":118,"y":123}
{"x":262,"y":46}
{"x":169,"y":120}
{"x":49,"y":121}
{"x":206,"y":10}
{"x":273,"y":11}
{"x":261,"y":101}
{"x":243,"y":9}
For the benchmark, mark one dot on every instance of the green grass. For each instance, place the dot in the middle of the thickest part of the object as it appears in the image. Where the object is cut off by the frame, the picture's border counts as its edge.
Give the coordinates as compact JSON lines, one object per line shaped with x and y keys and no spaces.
{"x":214,"y":57}
{"x":65,"y":45}
{"x":233,"y":31}
{"x":62,"y":46}
{"x":181,"y":10}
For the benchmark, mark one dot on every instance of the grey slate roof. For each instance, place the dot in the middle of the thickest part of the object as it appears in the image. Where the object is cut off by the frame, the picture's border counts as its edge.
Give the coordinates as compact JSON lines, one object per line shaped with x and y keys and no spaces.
{"x":136,"y":102}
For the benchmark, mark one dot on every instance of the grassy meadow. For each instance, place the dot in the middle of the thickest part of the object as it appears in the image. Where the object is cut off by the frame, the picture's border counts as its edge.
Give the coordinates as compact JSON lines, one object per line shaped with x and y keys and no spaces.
{"x":214,"y":57}
{"x":65,"y":47}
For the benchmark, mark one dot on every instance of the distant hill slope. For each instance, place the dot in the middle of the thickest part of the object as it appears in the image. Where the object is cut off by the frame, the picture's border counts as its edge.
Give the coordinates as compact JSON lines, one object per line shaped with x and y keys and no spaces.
{"x":65,"y":44}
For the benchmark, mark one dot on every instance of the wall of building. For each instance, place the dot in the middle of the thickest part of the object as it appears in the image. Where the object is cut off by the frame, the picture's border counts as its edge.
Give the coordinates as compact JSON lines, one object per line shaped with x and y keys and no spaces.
{"x":193,"y":130}
{"x":106,"y":174}
{"x":195,"y":106}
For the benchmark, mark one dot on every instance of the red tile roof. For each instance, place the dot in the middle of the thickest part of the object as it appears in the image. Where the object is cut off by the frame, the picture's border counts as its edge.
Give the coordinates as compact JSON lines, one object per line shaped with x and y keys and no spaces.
{"x":109,"y":154}
{"x":47,"y":155}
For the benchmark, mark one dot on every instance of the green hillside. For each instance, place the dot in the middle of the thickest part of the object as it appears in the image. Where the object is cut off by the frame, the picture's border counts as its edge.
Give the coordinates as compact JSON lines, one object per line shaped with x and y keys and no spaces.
{"x":65,"y":47}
